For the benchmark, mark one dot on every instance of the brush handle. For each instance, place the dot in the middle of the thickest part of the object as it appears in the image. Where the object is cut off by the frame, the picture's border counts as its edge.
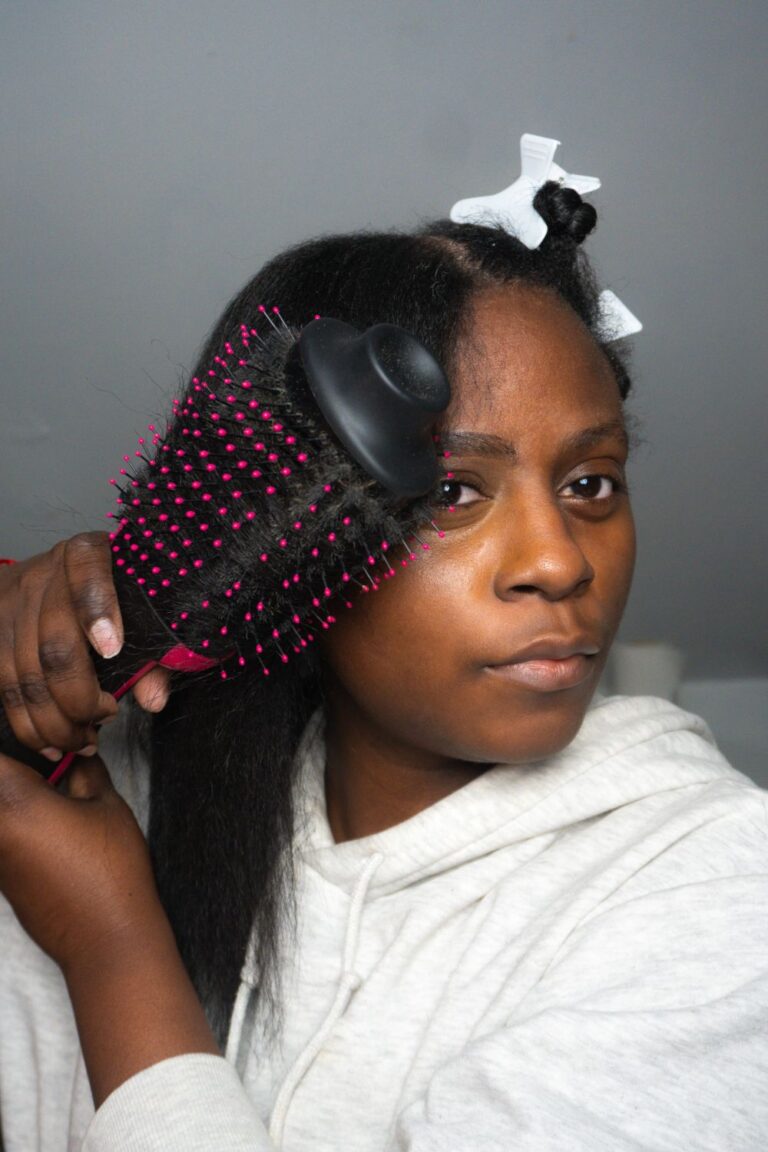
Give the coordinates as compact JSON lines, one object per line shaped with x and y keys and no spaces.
{"x":148,"y":642}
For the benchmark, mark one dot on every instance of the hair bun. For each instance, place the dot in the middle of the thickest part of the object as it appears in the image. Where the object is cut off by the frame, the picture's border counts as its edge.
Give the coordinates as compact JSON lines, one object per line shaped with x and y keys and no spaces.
{"x":564,"y":212}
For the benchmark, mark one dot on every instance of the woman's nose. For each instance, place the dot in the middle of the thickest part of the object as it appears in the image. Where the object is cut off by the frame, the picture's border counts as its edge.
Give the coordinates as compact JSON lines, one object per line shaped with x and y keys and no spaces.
{"x":541,"y":554}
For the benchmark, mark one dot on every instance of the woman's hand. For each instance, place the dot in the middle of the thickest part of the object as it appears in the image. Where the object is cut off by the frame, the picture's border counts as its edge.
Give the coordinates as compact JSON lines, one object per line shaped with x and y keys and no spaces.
{"x":74,"y":864}
{"x":51,"y":607}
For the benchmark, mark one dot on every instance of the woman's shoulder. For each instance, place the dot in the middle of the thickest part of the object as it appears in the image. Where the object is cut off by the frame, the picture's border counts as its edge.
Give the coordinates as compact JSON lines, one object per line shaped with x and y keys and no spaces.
{"x":650,"y":724}
{"x":647,"y":744}
{"x":641,"y":802}
{"x":635,"y":759}
{"x":668,"y":806}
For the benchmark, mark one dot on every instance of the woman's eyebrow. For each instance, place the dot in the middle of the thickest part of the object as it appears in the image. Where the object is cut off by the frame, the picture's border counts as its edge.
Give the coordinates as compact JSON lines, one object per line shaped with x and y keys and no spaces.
{"x":487,"y":444}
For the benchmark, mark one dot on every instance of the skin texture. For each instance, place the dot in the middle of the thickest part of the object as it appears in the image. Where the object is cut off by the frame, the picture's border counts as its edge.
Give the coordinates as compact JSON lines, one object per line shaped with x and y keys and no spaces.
{"x":413,"y":712}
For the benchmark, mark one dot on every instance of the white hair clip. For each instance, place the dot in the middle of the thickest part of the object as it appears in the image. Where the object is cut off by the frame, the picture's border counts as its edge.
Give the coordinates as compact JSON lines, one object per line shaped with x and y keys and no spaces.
{"x":513,"y":209}
{"x":616,"y":321}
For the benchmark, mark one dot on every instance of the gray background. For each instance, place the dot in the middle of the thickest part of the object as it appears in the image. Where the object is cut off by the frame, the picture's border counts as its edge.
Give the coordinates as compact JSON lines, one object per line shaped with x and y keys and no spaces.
{"x":154,"y":154}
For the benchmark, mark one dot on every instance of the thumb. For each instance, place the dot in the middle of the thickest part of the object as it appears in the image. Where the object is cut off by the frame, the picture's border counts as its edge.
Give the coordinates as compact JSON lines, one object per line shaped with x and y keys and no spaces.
{"x":152,"y":691}
{"x":88,"y":779}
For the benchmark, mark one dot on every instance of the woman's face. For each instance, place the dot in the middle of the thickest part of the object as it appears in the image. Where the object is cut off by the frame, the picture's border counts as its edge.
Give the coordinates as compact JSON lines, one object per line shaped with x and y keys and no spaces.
{"x":538,"y":551}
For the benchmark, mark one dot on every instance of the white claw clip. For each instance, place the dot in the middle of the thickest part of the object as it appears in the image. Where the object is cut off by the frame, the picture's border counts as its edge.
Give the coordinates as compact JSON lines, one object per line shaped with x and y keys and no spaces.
{"x":616,"y":321}
{"x":513,"y":209}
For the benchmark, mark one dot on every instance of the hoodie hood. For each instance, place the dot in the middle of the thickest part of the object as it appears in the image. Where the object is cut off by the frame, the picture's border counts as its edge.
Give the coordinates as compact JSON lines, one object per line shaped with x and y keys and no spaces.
{"x":599,"y":771}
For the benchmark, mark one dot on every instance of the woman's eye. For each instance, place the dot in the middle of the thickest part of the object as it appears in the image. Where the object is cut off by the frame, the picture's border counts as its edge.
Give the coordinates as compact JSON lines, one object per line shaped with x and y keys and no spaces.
{"x":597,"y":487}
{"x":452,"y":493}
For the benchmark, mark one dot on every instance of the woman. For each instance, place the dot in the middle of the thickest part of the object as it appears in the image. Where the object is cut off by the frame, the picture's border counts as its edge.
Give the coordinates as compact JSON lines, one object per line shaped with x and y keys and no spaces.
{"x":425,"y":889}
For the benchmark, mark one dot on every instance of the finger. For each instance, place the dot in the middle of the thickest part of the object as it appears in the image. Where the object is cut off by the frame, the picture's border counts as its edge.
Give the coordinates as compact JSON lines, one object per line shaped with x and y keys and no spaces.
{"x":47,"y":650}
{"x":88,"y":779}
{"x":40,"y":644}
{"x":153,"y":690}
{"x":88,"y":563}
{"x":65,"y":660}
{"x":22,"y":605}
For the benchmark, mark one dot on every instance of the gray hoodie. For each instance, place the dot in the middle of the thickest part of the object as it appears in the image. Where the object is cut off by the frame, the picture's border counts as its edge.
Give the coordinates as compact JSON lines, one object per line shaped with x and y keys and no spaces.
{"x":570,"y":954}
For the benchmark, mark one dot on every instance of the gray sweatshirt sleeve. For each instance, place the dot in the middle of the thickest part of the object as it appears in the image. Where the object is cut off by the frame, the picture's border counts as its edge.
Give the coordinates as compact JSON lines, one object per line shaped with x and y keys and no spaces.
{"x":194,"y":1102}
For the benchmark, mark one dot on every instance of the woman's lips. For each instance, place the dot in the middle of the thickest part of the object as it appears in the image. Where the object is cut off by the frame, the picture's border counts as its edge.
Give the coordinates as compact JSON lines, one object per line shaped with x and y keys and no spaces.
{"x":546,"y":675}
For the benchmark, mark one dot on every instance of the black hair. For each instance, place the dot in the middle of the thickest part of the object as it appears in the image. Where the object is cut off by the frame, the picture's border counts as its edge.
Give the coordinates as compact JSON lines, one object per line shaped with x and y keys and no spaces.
{"x":222,"y":753}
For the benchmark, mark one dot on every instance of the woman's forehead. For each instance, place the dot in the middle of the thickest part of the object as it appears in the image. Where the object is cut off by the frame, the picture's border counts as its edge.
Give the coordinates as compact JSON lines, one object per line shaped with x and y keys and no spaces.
{"x":523,"y":354}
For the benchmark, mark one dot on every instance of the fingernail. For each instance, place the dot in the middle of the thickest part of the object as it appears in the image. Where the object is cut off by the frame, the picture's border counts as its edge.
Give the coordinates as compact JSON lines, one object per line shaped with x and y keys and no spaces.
{"x":89,"y":750}
{"x":104,"y":638}
{"x":52,"y":753}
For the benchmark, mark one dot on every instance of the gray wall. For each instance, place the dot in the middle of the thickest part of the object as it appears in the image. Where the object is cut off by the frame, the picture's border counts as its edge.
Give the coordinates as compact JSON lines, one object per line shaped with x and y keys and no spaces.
{"x":154,"y":154}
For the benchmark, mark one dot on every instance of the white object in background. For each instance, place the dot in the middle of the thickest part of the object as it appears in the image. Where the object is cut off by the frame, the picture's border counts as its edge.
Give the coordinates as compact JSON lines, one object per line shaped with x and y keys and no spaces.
{"x":646,"y":668}
{"x":737,"y":713}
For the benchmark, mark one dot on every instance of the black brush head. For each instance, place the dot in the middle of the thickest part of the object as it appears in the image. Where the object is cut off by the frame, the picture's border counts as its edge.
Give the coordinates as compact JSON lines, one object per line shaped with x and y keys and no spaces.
{"x":380,"y":391}
{"x":252,"y":520}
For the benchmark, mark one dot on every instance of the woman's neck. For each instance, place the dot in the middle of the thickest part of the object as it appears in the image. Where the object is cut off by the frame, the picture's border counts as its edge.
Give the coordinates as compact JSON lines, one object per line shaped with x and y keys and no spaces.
{"x":374,"y":781}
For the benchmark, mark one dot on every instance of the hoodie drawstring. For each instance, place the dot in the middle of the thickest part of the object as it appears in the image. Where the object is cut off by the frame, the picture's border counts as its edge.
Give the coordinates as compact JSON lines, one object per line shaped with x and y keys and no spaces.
{"x":348,"y":983}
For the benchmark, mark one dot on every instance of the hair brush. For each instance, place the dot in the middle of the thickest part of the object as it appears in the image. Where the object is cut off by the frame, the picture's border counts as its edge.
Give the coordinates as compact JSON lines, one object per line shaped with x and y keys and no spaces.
{"x":286,"y":474}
